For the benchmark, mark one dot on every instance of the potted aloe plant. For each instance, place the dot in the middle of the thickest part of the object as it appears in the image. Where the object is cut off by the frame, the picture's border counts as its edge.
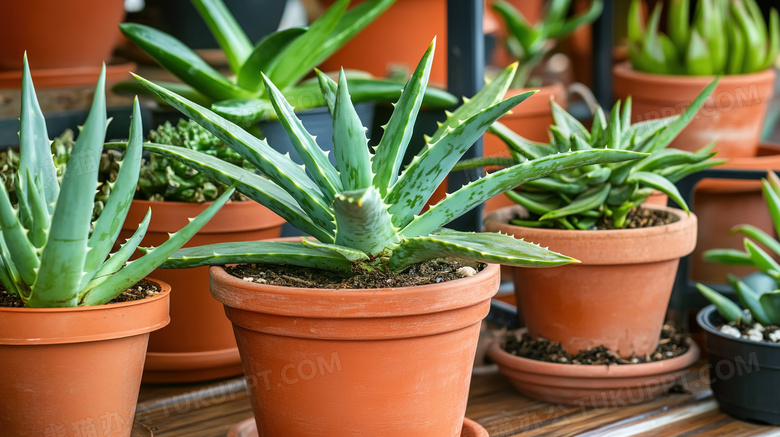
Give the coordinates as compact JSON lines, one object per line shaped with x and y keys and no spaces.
{"x":666,"y":70}
{"x":324,"y":350}
{"x":617,"y":296}
{"x":744,"y":345}
{"x":285,"y":56}
{"x":74,"y":319}
{"x":530,"y":44}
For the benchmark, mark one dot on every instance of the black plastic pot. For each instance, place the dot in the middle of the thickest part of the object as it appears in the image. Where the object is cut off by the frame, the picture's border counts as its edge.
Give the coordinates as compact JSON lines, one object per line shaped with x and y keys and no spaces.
{"x":744,"y":374}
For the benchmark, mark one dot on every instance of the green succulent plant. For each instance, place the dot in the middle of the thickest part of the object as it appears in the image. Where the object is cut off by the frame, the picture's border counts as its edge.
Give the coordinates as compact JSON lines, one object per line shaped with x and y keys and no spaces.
{"x":163,"y":178}
{"x":724,"y":37}
{"x":580,"y":198}
{"x":764,"y":306}
{"x":530,"y":43}
{"x":362,"y":212}
{"x":285,"y":56}
{"x":51,"y":253}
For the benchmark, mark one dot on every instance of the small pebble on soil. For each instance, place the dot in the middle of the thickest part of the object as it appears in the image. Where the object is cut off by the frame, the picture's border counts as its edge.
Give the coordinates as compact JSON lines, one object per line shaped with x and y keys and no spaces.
{"x":755,"y":332}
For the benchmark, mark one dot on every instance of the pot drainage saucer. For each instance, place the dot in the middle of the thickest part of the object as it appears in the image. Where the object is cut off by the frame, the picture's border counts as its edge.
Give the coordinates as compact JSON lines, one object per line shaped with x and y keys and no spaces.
{"x":248,"y":428}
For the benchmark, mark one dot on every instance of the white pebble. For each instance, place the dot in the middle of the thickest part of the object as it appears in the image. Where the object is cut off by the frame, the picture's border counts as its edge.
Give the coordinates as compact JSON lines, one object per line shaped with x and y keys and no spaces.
{"x":466,"y":271}
{"x":755,"y":335}
{"x":759,"y":327}
{"x":260,"y":281}
{"x":775,"y":336}
{"x":730,"y":330}
{"x":249,"y":279}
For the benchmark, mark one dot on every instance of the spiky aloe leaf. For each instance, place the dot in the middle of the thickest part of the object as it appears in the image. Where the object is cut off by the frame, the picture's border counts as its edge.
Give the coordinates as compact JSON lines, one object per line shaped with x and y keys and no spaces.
{"x":328,"y":87}
{"x":63,"y":258}
{"x":758,"y":235}
{"x":761,"y":259}
{"x":264,"y":55}
{"x":254,"y":186}
{"x":350,"y":145}
{"x":526,"y":148}
{"x":326,"y":257}
{"x":133,"y":88}
{"x":279,"y":168}
{"x":176,"y":57}
{"x":34,"y":149}
{"x":659,"y":183}
{"x":24,"y":257}
{"x":136,"y":270}
{"x":491,"y":94}
{"x":390,"y":151}
{"x":39,"y":212}
{"x":9,"y":274}
{"x":770,"y":303}
{"x":567,"y":124}
{"x":226,"y":30}
{"x":504,"y":180}
{"x":315,"y":160}
{"x":483,"y":247}
{"x":428,"y":169}
{"x":727,"y":309}
{"x":749,"y":298}
{"x":586,"y":201}
{"x":108,"y":226}
{"x":362,"y":221}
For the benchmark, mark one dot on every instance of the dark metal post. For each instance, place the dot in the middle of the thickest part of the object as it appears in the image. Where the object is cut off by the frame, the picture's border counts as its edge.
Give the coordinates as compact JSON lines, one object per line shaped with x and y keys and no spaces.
{"x":465,"y":76}
{"x":602,"y":55}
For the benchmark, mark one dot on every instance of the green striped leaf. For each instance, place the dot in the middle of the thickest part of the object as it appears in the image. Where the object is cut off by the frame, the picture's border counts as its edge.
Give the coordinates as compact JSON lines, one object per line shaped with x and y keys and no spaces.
{"x":362,"y":221}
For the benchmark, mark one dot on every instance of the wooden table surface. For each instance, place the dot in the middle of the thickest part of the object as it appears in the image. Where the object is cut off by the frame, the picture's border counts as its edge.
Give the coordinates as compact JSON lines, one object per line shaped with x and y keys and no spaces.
{"x":211,"y":409}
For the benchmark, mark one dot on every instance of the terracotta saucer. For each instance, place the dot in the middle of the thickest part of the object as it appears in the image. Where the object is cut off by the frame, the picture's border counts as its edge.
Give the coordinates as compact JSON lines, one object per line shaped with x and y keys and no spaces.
{"x":177,"y":367}
{"x":248,"y":428}
{"x":593,"y":386}
{"x":66,"y":77}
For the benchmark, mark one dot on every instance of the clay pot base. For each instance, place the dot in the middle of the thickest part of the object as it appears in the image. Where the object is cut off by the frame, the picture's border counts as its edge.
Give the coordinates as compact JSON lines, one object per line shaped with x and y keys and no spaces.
{"x":589,"y":385}
{"x":248,"y":428}
{"x":141,"y":430}
{"x":162,"y":368}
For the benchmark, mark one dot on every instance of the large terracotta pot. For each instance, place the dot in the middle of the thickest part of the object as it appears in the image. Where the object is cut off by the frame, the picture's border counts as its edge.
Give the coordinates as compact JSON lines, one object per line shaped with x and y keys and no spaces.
{"x":722,"y":204}
{"x":75,"y":371}
{"x":58,"y":34}
{"x":616,"y":296}
{"x":397,"y":39}
{"x":374,"y":362}
{"x":530,"y":119}
{"x":198,"y":344}
{"x":733,"y":115}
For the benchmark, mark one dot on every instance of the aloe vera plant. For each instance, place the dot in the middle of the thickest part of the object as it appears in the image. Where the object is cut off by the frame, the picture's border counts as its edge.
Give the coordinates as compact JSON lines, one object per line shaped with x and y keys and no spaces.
{"x":285,"y":57}
{"x":530,"y":43}
{"x":48,"y":255}
{"x":580,"y":198}
{"x":364,"y":213}
{"x":724,"y":37}
{"x":764,"y":306}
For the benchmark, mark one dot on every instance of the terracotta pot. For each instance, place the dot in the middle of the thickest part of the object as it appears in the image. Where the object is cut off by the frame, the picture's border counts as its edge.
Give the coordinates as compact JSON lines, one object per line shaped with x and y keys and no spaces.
{"x":617,"y":296}
{"x":58,"y":34}
{"x":722,"y":204}
{"x":375,"y":362}
{"x":372,"y":50}
{"x":198,"y":344}
{"x":593,"y":386}
{"x":733,"y":115}
{"x":530,"y":119}
{"x":75,"y":371}
{"x":248,"y":428}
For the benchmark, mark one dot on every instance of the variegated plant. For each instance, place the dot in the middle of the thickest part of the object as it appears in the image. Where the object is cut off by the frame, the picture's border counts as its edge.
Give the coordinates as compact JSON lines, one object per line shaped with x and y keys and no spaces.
{"x":48,"y":256}
{"x":362,"y":212}
{"x":581,"y":198}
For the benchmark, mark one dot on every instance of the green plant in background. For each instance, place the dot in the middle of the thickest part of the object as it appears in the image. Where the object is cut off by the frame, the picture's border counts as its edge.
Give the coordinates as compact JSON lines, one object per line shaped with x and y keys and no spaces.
{"x":724,"y":37}
{"x":362,"y":212}
{"x":163,"y":178}
{"x":764,"y":305}
{"x":285,"y":56}
{"x":530,"y":43}
{"x":581,"y":198}
{"x":51,"y":254}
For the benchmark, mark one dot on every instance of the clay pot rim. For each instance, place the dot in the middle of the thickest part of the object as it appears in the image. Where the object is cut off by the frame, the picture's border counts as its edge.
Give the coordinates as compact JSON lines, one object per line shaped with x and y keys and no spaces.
{"x":703,"y":319}
{"x":624,"y":69}
{"x":611,"y":371}
{"x":166,"y":289}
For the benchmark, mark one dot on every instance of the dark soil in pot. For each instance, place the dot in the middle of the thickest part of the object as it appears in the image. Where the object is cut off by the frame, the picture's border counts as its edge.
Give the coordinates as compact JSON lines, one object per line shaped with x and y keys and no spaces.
{"x":141,"y":290}
{"x":744,"y":374}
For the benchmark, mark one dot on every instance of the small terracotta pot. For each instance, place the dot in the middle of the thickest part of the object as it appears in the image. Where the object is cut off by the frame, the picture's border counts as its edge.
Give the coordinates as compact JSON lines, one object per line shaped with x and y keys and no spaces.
{"x":58,"y":34}
{"x":75,"y":371}
{"x":530,"y":119}
{"x":373,"y":51}
{"x":722,"y":204}
{"x":593,"y":386}
{"x":198,"y":344}
{"x":733,"y":115}
{"x":617,"y":296}
{"x":375,"y":362}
